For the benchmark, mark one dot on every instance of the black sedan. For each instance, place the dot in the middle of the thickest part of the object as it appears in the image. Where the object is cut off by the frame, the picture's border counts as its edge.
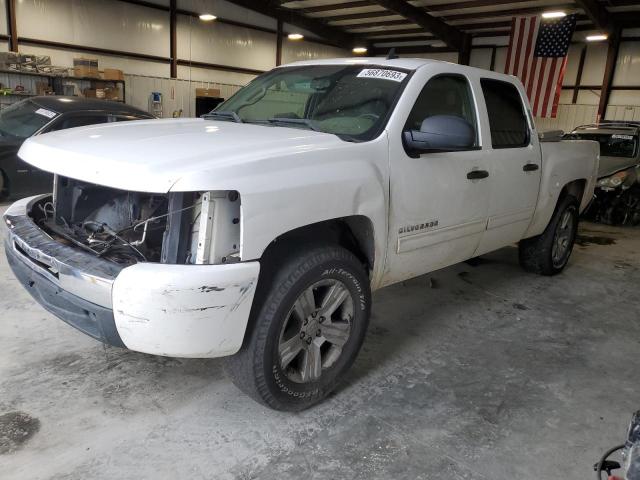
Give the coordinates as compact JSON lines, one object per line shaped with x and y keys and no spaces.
{"x":39,"y":115}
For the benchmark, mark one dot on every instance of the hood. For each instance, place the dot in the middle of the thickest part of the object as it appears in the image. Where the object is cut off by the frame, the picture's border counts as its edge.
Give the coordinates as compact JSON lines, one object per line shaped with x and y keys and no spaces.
{"x":152,"y":155}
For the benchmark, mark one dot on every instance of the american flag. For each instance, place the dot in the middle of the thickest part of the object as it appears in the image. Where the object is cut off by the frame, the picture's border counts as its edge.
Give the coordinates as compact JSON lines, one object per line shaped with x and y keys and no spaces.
{"x":537,"y":55}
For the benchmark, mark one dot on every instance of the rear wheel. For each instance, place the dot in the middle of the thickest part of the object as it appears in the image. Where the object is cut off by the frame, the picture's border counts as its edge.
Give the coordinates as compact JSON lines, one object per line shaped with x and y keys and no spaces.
{"x":548,"y":253}
{"x":307,"y":329}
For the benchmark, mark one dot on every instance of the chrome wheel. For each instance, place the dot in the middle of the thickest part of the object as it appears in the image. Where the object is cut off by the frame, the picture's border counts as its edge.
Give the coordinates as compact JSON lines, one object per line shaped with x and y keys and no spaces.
{"x":563,"y":239}
{"x":316,"y":329}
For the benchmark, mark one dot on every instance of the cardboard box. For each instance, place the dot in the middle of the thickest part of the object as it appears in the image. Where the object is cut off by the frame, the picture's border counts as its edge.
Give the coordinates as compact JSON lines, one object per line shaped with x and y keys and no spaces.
{"x":86,"y":67}
{"x":207,"y":92}
{"x":112,"y":74}
{"x":89,"y":92}
{"x":111,"y":93}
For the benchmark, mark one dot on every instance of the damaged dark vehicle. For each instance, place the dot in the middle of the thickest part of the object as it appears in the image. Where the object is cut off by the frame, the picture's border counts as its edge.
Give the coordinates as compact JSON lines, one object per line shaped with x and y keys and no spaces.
{"x":617,"y":195}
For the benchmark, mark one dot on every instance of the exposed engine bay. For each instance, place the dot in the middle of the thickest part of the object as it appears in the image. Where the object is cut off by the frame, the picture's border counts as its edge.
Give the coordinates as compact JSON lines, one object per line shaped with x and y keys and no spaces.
{"x":130,"y":227}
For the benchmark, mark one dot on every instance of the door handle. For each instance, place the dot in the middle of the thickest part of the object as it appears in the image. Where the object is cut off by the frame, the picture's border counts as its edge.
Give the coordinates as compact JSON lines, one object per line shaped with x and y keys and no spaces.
{"x":530,"y":167}
{"x":477,"y":174}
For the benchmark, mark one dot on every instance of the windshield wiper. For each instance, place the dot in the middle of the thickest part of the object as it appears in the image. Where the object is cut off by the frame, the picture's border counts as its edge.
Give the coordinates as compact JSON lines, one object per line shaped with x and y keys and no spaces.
{"x":295,"y":121}
{"x":223,"y":115}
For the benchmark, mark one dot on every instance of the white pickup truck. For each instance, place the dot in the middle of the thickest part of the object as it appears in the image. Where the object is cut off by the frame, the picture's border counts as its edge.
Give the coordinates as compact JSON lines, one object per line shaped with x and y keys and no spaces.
{"x":260,"y":231}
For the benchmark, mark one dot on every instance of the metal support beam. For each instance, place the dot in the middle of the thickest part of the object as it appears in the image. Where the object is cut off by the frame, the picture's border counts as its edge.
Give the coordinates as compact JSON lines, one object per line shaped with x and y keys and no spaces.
{"x":173,"y":45}
{"x":11,"y":25}
{"x":576,"y":90}
{"x":598,"y":14}
{"x":453,"y":37}
{"x":609,"y":72}
{"x":333,"y":35}
{"x":279,"y":44}
{"x":464,"y":52}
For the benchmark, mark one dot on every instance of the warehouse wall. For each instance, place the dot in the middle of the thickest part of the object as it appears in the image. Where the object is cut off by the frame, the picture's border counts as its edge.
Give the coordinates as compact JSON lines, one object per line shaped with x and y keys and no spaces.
{"x":237,"y":53}
{"x":144,"y":31}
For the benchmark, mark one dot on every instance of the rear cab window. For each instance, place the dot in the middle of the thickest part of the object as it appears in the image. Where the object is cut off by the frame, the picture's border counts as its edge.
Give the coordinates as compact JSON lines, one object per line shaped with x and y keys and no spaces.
{"x":507,"y":114}
{"x":614,"y":144}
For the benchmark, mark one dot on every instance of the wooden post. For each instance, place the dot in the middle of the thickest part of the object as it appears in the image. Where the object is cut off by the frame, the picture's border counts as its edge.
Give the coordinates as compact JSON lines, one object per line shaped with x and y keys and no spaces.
{"x":609,"y":72}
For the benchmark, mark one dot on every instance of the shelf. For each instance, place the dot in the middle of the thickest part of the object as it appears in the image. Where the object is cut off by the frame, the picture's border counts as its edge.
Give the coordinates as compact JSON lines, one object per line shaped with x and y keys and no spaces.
{"x":53,"y":75}
{"x":18,"y":94}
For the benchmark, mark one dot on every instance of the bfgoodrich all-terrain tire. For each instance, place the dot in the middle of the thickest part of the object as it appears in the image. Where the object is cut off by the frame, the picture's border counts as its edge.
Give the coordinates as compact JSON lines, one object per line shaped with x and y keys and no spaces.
{"x":306,"y":329}
{"x":549,"y":253}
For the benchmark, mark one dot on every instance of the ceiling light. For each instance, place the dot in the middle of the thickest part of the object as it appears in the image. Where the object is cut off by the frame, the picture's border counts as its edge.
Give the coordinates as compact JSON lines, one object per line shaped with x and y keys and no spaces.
{"x":359,"y":50}
{"x":207,"y":17}
{"x":596,"y":38}
{"x":295,"y":36}
{"x":553,"y":15}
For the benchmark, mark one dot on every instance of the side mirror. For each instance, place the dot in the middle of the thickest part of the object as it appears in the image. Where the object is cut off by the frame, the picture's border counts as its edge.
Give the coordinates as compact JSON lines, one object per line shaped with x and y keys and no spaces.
{"x":441,"y":133}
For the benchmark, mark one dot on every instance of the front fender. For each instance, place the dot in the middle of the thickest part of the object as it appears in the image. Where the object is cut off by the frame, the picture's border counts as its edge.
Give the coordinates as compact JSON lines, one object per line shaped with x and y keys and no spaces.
{"x":287,"y":191}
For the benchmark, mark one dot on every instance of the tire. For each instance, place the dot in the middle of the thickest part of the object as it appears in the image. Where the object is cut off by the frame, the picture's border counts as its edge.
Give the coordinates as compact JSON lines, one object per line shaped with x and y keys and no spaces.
{"x":548,"y":253}
{"x":285,"y":343}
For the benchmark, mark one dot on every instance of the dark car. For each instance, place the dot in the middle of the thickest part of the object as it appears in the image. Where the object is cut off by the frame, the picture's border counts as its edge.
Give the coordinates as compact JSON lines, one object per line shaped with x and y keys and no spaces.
{"x":39,"y":115}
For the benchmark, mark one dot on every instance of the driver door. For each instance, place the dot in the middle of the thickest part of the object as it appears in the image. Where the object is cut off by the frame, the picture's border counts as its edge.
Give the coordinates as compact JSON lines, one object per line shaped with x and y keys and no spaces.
{"x":438,"y":207}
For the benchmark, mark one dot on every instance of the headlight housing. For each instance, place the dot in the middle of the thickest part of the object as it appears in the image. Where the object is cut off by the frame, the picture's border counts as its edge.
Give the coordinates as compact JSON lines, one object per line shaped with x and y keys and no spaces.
{"x":614,"y":181}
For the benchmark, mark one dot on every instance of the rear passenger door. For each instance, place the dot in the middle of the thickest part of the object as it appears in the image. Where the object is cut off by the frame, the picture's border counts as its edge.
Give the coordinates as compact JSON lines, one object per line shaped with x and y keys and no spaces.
{"x":515,"y":164}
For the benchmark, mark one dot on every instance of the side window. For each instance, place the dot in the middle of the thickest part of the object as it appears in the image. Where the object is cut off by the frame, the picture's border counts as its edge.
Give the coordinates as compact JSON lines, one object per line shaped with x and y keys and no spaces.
{"x":507,"y":117}
{"x":444,"y":95}
{"x":78,"y":121}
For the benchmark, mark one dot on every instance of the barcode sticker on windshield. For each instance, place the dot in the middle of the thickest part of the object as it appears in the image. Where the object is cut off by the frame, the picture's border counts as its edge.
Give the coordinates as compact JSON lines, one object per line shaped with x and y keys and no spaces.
{"x":622,"y":137}
{"x":46,"y":113}
{"x":383,"y":74}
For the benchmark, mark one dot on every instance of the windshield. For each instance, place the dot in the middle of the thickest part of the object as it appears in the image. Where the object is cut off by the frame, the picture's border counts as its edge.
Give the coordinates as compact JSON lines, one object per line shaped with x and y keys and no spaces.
{"x":23,"y":119}
{"x":351,"y":101}
{"x":612,"y":145}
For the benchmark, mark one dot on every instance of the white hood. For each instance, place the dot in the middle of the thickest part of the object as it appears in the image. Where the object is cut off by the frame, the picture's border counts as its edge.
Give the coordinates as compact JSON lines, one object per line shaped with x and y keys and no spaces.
{"x":152,"y":155}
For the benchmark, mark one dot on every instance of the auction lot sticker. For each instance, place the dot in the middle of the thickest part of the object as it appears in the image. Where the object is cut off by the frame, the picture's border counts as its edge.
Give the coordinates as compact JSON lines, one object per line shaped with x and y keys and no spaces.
{"x":383,"y":74}
{"x":46,"y":113}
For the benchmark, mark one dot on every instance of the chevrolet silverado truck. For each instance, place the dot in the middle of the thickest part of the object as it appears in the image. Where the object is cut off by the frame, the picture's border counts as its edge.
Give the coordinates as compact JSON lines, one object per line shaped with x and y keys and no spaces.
{"x":259,"y":232}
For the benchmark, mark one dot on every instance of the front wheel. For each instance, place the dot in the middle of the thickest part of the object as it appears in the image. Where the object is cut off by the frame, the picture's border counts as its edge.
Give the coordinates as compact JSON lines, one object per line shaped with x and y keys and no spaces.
{"x":307,"y":330}
{"x":548,"y":253}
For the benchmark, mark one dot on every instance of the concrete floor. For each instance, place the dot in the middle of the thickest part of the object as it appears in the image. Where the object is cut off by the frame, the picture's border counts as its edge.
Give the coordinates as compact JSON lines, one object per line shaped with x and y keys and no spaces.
{"x":472,"y":372}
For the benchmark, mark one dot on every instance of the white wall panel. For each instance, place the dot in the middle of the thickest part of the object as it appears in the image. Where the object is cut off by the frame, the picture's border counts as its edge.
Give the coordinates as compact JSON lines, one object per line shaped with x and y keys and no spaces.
{"x":481,"y":58}
{"x":594,"y":64}
{"x":441,"y":56}
{"x":225,"y":44}
{"x":293,"y":51}
{"x":229,"y":11}
{"x":207,"y":75}
{"x":64,"y":58}
{"x":625,"y":97}
{"x":623,"y":112}
{"x":628,"y":65}
{"x":177,"y":94}
{"x":95,"y":23}
{"x":573,"y":60}
{"x":589,"y":97}
{"x":569,"y":116}
{"x":501,"y":59}
{"x":3,"y":17}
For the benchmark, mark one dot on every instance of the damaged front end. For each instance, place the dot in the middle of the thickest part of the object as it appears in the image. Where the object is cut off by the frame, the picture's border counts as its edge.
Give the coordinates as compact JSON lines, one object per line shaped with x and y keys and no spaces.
{"x":617,"y":199}
{"x":130,"y":227}
{"x":155,"y":273}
